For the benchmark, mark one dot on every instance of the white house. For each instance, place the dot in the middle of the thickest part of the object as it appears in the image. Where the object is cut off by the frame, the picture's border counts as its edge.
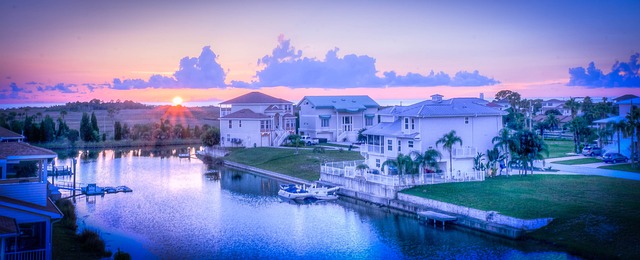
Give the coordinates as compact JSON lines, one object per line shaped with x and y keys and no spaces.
{"x":624,"y":107}
{"x":403,"y":129}
{"x":336,"y":118}
{"x":255,"y":120}
{"x":26,"y":212}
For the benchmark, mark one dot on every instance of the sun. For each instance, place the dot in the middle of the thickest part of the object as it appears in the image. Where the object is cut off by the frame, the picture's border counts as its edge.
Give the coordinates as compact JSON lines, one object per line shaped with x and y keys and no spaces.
{"x":177,"y":101}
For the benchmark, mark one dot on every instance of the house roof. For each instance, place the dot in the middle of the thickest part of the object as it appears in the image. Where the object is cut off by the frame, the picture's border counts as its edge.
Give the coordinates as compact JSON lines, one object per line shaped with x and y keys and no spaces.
{"x":8,"y":227}
{"x":625,"y":97}
{"x":256,"y":98}
{"x":635,"y":100}
{"x":389,"y":129}
{"x":613,"y":119}
{"x":445,"y":108}
{"x":342,"y":103}
{"x":8,"y":134}
{"x":20,"y":150}
{"x":245,"y":114}
{"x":49,"y":210}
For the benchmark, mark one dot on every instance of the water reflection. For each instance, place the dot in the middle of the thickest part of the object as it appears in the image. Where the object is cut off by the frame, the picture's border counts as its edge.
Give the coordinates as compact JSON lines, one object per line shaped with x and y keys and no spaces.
{"x":178,"y":211}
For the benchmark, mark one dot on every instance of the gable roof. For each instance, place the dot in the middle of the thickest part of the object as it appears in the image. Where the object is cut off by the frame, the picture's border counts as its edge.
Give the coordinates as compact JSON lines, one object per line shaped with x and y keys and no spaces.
{"x":245,"y":114}
{"x":20,"y":150}
{"x":6,"y":134}
{"x":454,"y":107}
{"x":389,"y":129}
{"x":342,"y":103}
{"x":256,"y":98}
{"x":624,"y":97}
{"x":635,"y":100}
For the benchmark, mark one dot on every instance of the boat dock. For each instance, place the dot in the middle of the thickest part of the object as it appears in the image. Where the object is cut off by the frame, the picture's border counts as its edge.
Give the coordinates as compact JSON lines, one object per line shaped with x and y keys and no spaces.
{"x":436,"y":217}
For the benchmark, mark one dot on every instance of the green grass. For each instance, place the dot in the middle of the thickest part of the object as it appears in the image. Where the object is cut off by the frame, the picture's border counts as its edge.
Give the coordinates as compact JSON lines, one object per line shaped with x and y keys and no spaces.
{"x":621,"y":167}
{"x":594,"y":216}
{"x":304,"y":165}
{"x":579,"y":161}
{"x":559,"y":148}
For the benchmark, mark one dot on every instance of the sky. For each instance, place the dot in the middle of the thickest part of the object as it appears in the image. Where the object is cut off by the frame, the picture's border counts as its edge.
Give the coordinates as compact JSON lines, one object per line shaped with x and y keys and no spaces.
{"x":211,"y":51}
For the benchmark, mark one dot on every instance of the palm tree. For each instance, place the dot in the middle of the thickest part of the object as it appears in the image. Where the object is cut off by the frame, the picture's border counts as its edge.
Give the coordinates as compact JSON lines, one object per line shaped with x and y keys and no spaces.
{"x":477,"y":162}
{"x":403,"y":163}
{"x":504,"y":140}
{"x":429,"y":159}
{"x":448,"y":140}
{"x":362,"y":167}
{"x":633,"y":123}
{"x":605,"y":134}
{"x":552,"y":121}
{"x":529,"y":147}
{"x":574,"y":106}
{"x":619,"y":127}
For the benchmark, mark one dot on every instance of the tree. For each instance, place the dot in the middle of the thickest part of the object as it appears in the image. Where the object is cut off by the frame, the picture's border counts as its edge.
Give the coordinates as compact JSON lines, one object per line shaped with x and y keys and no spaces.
{"x":633,"y":123}
{"x":552,"y":121}
{"x":477,"y":162}
{"x":605,"y":134}
{"x":94,"y":123}
{"x":574,"y":106}
{"x":619,"y":127}
{"x":117,"y":131}
{"x":361,"y":137}
{"x":403,"y":163}
{"x":48,"y":128}
{"x":73,"y":135}
{"x":86,"y":132}
{"x":503,"y":141}
{"x":211,"y":137}
{"x":427,"y":160}
{"x":448,"y":140}
{"x":511,"y":96}
{"x":528,"y":147}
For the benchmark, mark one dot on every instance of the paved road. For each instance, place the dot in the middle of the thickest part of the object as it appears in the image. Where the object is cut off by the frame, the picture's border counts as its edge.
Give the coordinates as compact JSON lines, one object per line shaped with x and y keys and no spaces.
{"x":586,"y":169}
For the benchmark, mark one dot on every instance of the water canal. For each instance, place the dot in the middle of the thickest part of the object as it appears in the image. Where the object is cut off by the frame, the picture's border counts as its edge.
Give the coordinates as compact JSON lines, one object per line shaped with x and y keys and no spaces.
{"x":175,"y":211}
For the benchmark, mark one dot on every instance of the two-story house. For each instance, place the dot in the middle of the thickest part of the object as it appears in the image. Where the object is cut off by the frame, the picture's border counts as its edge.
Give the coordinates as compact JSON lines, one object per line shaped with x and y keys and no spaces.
{"x":336,"y":118}
{"x":403,"y":129}
{"x":255,"y":120}
{"x":624,"y":145}
{"x":26,"y":212}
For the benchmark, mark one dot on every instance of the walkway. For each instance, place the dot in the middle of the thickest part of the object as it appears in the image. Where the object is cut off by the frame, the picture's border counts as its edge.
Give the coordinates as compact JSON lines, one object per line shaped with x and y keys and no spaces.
{"x":585,"y":169}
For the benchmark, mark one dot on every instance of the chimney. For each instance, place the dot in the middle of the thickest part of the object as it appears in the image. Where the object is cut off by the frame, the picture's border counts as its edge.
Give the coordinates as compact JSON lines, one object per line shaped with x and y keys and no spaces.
{"x":482,"y":96}
{"x":436,"y":98}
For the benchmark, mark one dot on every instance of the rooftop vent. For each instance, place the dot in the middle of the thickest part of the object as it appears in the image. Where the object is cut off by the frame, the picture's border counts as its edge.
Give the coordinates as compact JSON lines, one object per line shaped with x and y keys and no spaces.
{"x":436,"y":98}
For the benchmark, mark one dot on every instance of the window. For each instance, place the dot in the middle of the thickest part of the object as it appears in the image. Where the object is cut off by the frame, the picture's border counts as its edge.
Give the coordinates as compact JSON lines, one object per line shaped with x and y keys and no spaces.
{"x":406,"y":123}
{"x":228,"y":138}
{"x":230,"y":124}
{"x":389,"y":145}
{"x":413,"y":123}
{"x":239,"y":123}
{"x":324,"y":122}
{"x":399,"y":145}
{"x":377,"y":163}
{"x":410,"y":144}
{"x":466,"y":120}
{"x":368,"y":121}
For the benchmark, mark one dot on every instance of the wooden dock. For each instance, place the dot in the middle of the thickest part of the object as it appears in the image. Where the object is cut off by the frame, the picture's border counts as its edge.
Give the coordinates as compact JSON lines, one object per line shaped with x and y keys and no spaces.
{"x":436,"y":217}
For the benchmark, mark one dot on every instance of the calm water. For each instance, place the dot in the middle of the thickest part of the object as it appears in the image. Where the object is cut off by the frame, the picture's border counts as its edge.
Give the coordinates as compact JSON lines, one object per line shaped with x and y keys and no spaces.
{"x":176,"y":211}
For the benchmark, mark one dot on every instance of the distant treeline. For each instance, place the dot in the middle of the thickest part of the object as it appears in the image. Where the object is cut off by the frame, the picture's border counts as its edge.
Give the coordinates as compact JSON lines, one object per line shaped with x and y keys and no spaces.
{"x":97,"y":104}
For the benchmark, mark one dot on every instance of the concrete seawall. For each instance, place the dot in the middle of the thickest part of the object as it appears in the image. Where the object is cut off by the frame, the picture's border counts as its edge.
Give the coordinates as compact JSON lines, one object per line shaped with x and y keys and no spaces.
{"x":487,"y":221}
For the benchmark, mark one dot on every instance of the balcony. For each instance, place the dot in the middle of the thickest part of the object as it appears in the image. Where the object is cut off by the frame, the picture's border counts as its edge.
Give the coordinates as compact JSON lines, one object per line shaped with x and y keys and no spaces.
{"x":464,"y":152}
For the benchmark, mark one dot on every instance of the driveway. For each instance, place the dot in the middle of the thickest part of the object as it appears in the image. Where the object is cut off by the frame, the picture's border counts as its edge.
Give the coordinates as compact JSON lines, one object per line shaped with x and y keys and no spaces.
{"x":585,"y":169}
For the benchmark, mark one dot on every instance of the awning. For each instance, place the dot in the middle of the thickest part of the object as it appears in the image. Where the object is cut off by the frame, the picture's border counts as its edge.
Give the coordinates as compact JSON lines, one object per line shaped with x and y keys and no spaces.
{"x":325,"y":116}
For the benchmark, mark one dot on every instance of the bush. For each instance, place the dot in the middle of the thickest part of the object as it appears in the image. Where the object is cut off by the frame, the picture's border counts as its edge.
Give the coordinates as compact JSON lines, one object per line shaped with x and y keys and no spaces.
{"x":92,"y":242}
{"x":121,"y":255}
{"x":69,"y":210}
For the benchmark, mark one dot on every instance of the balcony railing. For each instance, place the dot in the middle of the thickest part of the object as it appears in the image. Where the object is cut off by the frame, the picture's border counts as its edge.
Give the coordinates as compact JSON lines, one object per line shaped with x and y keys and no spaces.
{"x":464,"y":152}
{"x":26,"y":255}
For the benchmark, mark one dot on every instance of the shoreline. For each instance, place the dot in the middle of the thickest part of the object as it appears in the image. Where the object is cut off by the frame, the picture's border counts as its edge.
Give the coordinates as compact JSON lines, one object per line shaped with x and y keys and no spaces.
{"x":117,"y":144}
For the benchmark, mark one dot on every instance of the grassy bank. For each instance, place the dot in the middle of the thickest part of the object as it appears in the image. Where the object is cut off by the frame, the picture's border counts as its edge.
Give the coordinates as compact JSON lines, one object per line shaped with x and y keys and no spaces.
{"x":621,"y":167}
{"x":559,"y":148}
{"x":586,"y":160}
{"x":69,"y":245}
{"x":304,"y":165}
{"x":593,"y":216}
{"x":117,"y":144}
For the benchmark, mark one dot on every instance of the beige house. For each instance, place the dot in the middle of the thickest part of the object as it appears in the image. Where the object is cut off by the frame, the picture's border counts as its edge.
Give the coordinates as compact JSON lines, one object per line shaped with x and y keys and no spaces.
{"x":336,"y":118}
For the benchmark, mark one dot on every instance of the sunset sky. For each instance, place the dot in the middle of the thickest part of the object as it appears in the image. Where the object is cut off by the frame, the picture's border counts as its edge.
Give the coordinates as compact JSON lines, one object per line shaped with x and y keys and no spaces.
{"x":211,"y":51}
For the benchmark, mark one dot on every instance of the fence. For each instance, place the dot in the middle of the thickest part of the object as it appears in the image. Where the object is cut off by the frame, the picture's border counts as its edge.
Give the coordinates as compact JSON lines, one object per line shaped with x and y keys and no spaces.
{"x":26,"y":255}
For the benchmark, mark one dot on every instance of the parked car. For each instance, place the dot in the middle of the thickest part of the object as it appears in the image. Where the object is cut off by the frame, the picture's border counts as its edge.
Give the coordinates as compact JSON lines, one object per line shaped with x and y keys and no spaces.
{"x":592,"y":151}
{"x":308,"y":140}
{"x":614,"y":158}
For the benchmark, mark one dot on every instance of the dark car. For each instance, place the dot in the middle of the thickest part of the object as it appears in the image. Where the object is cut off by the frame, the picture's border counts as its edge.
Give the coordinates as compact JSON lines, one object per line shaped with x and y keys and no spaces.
{"x":592,"y":151}
{"x":614,"y":158}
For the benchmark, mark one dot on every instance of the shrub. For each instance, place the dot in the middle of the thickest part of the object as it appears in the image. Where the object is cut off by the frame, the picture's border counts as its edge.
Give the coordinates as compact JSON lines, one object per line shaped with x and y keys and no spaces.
{"x":69,"y":210}
{"x":92,"y":242}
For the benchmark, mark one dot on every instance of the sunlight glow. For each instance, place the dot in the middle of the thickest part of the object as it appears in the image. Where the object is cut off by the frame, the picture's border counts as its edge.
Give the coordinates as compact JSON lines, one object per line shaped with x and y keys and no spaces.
{"x":177,"y":101}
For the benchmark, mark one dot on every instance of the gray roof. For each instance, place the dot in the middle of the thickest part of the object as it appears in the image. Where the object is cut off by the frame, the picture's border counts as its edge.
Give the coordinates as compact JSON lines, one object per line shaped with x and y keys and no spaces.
{"x":635,"y":100}
{"x":446,"y":108}
{"x":389,"y":129}
{"x":256,"y":98}
{"x":245,"y":114}
{"x":342,"y":103}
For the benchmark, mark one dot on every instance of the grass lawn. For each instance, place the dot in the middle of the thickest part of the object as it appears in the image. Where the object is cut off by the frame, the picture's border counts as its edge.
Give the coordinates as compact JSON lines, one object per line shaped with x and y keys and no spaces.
{"x":621,"y":167}
{"x":595,"y":217}
{"x":304,"y":165}
{"x":559,"y":148}
{"x":585,"y":160}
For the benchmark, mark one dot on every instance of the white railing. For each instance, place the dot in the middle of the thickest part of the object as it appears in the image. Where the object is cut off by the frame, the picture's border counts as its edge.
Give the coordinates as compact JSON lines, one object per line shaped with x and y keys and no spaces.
{"x":347,"y":169}
{"x":464,"y":152}
{"x":26,"y":255}
{"x":281,"y":136}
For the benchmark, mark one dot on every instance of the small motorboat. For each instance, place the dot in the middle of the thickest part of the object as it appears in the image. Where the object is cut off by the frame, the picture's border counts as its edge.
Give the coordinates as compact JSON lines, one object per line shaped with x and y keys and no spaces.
{"x":292,"y":191}
{"x":110,"y":189}
{"x":92,"y":189}
{"x":123,"y":189}
{"x":296,"y":192}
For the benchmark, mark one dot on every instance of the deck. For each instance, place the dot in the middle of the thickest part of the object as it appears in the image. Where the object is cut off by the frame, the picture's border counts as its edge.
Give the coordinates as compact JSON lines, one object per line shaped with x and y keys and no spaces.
{"x":436,"y":217}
